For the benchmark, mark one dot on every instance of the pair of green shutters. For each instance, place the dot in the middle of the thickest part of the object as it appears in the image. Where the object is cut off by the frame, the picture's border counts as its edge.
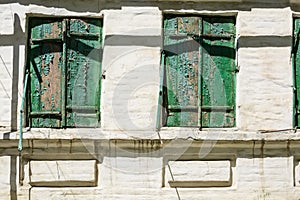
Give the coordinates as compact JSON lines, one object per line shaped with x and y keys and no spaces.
{"x":199,"y":55}
{"x":65,"y":67}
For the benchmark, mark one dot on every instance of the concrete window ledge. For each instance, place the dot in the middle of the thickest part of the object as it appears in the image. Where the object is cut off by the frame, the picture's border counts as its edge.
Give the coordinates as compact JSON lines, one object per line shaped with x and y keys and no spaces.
{"x":195,"y":184}
{"x":166,"y":133}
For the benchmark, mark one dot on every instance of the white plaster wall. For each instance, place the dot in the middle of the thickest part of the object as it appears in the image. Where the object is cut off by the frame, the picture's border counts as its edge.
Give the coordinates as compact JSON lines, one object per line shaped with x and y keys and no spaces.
{"x":265,"y":21}
{"x":264,"y":82}
{"x":130,"y":89}
{"x":270,"y":178}
{"x":5,"y":177}
{"x":63,"y":173}
{"x":201,"y":171}
{"x":6,"y":14}
{"x":141,"y":178}
{"x":133,"y":21}
{"x":131,"y":63}
{"x":132,"y":51}
{"x":6,"y":61}
{"x":126,"y":172}
{"x":264,"y":89}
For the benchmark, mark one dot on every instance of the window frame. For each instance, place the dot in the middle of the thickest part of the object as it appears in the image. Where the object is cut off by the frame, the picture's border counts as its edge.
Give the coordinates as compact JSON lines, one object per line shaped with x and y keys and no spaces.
{"x":296,"y":71}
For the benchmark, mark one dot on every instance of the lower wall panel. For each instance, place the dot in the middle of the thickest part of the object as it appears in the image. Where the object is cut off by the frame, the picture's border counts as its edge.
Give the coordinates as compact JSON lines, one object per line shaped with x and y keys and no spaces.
{"x":260,"y":172}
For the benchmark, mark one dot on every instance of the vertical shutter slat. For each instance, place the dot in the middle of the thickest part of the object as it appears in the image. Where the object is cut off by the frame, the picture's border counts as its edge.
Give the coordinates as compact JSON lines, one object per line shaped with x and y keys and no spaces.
{"x":218,"y":71}
{"x":45,"y":68}
{"x":182,"y":64}
{"x":83,"y":73}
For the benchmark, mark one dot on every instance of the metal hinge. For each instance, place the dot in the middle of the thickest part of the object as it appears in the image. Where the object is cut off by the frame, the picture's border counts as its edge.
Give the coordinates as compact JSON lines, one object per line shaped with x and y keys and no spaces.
{"x":43,"y":40}
{"x":214,"y":36}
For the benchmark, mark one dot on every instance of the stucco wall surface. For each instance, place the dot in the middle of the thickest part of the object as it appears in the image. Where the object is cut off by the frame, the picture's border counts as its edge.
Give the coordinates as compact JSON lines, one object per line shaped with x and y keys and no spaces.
{"x":127,"y":158}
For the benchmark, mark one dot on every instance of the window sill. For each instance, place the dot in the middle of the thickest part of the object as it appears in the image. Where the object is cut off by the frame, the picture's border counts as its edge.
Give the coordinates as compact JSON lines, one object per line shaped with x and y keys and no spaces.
{"x":166,"y":133}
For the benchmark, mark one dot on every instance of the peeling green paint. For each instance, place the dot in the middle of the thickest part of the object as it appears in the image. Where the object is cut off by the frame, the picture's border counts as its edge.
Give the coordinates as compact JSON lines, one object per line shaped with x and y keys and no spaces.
{"x":200,"y":71}
{"x":79,"y":51}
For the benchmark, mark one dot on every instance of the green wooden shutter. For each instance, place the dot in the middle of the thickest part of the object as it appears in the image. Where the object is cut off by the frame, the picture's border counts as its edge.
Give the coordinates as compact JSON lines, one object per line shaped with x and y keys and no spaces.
{"x":296,"y":54}
{"x":199,"y":71}
{"x":218,"y":69}
{"x":182,"y":68}
{"x":45,"y":68}
{"x":65,"y":72}
{"x":83,"y":73}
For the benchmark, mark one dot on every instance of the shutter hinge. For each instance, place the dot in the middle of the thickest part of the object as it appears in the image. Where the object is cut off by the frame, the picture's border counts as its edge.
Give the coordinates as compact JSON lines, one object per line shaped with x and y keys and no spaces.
{"x":237,"y":69}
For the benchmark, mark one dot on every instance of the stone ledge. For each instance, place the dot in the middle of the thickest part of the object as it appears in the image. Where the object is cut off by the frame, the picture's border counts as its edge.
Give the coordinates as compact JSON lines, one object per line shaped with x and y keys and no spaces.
{"x":69,"y":193}
{"x":166,"y":133}
{"x":196,"y":184}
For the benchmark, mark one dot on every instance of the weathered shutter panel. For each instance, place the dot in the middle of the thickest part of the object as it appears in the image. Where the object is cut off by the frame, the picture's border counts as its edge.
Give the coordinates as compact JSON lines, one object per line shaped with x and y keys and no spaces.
{"x":182,"y":65}
{"x":45,"y":68}
{"x":297,"y":69}
{"x":200,"y":71}
{"x":218,"y":69}
{"x":83,"y":73}
{"x":65,"y":72}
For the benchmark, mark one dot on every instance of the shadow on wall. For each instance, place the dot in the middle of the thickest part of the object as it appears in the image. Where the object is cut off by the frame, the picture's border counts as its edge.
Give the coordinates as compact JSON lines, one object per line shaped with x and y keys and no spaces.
{"x":15,"y":40}
{"x":97,"y":5}
{"x":77,"y":5}
{"x":13,"y":177}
